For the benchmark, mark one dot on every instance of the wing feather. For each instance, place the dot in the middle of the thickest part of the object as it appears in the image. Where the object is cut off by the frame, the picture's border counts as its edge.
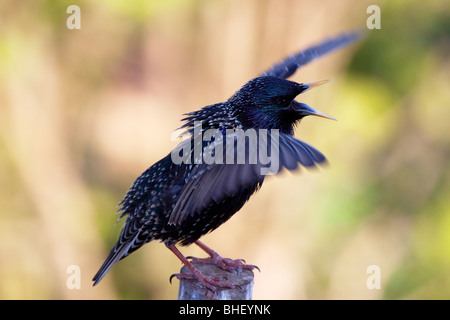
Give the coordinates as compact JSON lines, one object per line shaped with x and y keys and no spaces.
{"x":212,"y":183}
{"x":287,"y":67}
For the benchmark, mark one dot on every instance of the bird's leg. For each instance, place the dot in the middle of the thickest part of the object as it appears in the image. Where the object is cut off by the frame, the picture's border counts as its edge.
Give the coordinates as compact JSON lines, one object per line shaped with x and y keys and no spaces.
{"x":209,"y":282}
{"x":229,"y":265}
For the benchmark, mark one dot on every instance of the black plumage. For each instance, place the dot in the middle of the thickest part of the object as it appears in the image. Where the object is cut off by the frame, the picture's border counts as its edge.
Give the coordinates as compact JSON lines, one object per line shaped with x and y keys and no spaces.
{"x":177,"y":203}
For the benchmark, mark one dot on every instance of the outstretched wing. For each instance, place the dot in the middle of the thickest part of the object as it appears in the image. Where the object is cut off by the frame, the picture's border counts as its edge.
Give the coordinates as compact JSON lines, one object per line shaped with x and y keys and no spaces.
{"x":287,"y":67}
{"x":211,"y":183}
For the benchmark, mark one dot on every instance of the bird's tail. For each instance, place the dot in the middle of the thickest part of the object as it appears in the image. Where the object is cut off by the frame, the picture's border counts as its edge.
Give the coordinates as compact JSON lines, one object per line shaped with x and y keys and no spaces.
{"x":120,"y":250}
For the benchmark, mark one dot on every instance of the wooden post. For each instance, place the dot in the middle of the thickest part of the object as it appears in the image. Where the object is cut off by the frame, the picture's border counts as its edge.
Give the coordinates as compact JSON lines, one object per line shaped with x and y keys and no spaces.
{"x":193,"y":290}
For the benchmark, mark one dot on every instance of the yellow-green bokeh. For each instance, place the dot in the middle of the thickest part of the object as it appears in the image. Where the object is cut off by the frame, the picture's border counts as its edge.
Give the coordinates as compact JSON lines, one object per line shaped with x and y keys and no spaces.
{"x":84,"y":112}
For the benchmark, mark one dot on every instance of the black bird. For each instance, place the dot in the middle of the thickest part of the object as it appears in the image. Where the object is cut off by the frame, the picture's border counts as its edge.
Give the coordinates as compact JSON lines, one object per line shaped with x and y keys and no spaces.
{"x":178,"y":202}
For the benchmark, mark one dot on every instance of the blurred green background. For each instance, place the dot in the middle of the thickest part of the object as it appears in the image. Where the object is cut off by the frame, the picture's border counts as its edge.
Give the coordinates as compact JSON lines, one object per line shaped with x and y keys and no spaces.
{"x":84,"y":112}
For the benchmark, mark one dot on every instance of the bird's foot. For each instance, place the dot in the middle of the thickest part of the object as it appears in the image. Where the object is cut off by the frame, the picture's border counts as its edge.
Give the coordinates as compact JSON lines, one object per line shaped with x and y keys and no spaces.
{"x":212,"y":283}
{"x":226,"y":264}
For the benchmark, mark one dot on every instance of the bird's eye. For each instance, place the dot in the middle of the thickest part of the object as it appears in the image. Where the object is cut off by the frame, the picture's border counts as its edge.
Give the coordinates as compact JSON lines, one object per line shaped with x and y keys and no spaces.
{"x":284,"y":101}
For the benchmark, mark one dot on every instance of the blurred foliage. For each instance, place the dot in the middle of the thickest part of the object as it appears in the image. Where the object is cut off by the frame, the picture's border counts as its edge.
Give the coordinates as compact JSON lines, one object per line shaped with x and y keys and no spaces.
{"x":84,"y":112}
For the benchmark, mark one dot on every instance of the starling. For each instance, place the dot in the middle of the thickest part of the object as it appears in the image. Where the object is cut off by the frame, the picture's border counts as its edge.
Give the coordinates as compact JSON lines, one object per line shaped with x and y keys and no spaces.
{"x":182,"y":197}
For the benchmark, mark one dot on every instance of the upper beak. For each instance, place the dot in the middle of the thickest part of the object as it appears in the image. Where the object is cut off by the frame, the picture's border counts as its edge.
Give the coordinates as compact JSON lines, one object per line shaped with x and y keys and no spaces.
{"x":314,"y":84}
{"x":304,"y":110}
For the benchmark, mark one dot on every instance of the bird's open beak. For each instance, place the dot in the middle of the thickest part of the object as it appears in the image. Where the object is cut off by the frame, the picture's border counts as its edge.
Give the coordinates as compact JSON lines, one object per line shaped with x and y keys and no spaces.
{"x":304,"y":110}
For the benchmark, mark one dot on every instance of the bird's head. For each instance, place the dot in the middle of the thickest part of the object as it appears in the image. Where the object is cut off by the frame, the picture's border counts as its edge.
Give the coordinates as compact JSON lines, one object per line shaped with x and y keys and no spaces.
{"x":268,"y":103}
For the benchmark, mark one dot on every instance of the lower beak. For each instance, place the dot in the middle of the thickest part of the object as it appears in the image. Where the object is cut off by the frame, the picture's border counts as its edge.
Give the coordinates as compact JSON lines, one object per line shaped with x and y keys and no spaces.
{"x":304,"y":110}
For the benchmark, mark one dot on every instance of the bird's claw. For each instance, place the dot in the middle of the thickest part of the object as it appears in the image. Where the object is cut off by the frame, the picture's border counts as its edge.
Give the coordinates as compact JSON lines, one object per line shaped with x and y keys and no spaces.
{"x":226,"y":264}
{"x":212,"y":283}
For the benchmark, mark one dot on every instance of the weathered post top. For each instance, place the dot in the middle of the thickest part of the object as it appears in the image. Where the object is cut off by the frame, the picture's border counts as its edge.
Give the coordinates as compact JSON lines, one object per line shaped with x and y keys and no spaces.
{"x":191,"y":289}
